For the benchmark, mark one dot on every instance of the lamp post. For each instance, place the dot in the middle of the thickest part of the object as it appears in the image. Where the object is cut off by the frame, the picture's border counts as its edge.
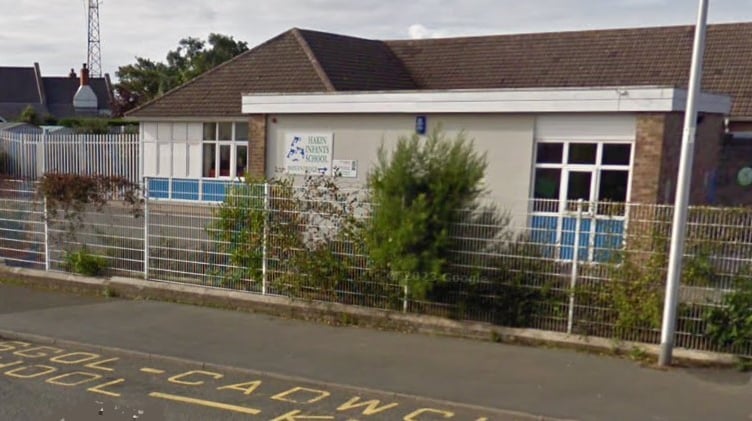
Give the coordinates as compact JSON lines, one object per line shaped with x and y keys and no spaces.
{"x":679,"y":226}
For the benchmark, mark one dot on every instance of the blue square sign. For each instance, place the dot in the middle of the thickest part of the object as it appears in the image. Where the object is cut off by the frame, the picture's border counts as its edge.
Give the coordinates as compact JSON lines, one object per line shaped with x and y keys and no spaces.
{"x":420,"y":124}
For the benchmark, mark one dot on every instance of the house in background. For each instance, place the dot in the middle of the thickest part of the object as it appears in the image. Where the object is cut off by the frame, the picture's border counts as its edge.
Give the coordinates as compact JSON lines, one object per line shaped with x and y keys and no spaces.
{"x":58,"y":97}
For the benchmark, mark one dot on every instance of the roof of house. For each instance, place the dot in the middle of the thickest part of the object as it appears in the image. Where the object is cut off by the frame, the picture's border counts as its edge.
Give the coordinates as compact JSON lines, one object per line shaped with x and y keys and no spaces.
{"x":310,"y":61}
{"x":20,"y":87}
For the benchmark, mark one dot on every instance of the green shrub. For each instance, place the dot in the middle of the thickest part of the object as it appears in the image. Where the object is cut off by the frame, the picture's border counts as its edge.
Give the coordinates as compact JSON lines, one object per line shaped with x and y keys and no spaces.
{"x":85,"y":263}
{"x":730,"y":324}
{"x":416,"y":191}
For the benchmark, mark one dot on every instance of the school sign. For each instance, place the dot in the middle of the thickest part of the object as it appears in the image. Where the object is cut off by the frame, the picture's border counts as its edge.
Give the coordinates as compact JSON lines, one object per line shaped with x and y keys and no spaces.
{"x":308,"y":153}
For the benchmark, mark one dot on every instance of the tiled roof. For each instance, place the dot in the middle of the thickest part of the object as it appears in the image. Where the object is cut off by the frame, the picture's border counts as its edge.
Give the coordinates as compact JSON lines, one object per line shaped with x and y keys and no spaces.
{"x":309,"y":61}
{"x":356,"y":64}
{"x":61,"y":90}
{"x":19,"y":89}
{"x":640,"y":56}
{"x":18,"y":85}
{"x":278,"y":65}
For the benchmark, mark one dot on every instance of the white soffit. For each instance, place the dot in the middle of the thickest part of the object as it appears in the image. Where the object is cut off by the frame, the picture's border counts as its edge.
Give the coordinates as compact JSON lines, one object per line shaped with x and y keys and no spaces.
{"x":628,"y":99}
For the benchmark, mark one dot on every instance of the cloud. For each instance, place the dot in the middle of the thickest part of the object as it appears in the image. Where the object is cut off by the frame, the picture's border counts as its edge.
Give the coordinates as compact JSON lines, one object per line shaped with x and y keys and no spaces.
{"x":418,"y":31}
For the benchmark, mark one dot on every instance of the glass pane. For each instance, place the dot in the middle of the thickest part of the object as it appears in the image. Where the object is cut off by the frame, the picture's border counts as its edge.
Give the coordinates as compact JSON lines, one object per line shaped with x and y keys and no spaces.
{"x":209,"y":160}
{"x":578,"y":187}
{"x":241,"y":131}
{"x":582,"y":153}
{"x":241,"y":160}
{"x":616,"y":154}
{"x":547,"y":186}
{"x":225,"y":131}
{"x":210,"y":131}
{"x":549,"y":153}
{"x":224,"y":160}
{"x":612,"y":192}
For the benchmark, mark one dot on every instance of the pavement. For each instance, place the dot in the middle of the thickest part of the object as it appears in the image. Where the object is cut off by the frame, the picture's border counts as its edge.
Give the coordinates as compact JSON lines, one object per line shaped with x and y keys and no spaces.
{"x":484,"y":377}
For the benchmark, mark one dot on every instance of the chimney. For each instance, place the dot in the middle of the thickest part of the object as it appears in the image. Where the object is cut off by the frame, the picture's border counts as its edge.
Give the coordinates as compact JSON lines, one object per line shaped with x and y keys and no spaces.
{"x":72,"y":74}
{"x":85,"y":98}
{"x":84,"y":75}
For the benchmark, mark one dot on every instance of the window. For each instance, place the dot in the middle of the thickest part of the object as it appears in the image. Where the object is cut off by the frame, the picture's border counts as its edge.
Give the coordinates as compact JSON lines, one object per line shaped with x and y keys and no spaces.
{"x":595,"y":174}
{"x":225,"y":150}
{"x":566,"y":172}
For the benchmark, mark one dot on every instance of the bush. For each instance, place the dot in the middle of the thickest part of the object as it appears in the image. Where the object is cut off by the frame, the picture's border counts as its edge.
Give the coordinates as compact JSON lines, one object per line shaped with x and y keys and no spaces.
{"x":85,"y":263}
{"x":730,"y":325}
{"x":416,"y":192}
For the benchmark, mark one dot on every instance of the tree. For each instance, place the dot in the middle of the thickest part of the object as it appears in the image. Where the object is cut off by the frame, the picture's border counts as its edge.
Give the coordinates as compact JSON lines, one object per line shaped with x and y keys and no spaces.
{"x":416,"y":193}
{"x":29,"y":115}
{"x":146,"y":79}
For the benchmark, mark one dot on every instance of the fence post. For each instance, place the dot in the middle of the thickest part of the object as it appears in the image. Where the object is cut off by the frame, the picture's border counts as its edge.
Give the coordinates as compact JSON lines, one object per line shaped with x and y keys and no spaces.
{"x":405,"y":298}
{"x":575,"y":266}
{"x":265,"y":239}
{"x":46,"y":235}
{"x":146,"y":229}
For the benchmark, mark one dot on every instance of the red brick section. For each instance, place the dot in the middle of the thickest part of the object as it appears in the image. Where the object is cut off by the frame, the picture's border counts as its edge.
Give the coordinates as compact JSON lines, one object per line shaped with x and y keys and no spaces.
{"x":648,"y":157}
{"x":257,"y":145}
{"x":657,"y":153}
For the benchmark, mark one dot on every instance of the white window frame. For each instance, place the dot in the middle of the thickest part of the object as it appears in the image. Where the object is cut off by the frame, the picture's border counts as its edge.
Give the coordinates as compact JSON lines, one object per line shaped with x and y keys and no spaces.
{"x":234,"y":142}
{"x":591,"y":203}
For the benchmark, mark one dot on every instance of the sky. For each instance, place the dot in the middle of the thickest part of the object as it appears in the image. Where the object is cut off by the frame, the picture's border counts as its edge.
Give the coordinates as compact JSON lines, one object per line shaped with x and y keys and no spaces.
{"x":54,"y":32}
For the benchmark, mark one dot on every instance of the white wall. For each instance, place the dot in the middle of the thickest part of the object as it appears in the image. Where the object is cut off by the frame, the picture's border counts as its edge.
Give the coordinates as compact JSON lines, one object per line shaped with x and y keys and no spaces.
{"x":507,"y":139}
{"x":172,"y":149}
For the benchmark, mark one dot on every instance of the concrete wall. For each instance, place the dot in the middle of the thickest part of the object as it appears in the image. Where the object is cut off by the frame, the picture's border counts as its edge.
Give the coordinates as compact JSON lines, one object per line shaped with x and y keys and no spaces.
{"x":507,"y":140}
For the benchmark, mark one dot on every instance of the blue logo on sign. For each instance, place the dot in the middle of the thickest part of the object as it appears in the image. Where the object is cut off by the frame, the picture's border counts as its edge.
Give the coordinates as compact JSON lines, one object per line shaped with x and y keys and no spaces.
{"x":296,"y":153}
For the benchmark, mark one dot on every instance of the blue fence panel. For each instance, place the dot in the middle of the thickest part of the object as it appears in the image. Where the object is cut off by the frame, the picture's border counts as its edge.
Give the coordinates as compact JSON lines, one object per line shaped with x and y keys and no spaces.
{"x":185,"y":189}
{"x":158,"y":188}
{"x":214,"y":191}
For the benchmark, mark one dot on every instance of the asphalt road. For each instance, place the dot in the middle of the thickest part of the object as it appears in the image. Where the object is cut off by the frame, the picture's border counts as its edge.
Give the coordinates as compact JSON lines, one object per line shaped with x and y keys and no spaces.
{"x":42,"y":382}
{"x":337,"y":364}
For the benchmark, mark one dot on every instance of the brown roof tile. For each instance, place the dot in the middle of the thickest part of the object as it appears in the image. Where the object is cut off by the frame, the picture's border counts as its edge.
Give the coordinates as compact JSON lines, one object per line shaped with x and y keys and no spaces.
{"x":309,"y":61}
{"x":356,"y":64}
{"x":278,"y":65}
{"x":618,"y":57}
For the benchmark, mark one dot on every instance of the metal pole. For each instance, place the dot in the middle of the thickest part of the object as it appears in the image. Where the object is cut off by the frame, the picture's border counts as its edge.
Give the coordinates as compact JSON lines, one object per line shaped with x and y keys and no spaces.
{"x":575,"y":265}
{"x":46,"y":236}
{"x":684,"y":179}
{"x":265,"y":239}
{"x":405,"y":298}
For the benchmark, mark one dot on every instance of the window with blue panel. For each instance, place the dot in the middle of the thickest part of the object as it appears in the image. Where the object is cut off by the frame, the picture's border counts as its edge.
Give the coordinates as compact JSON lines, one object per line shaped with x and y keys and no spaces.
{"x":593,"y":173}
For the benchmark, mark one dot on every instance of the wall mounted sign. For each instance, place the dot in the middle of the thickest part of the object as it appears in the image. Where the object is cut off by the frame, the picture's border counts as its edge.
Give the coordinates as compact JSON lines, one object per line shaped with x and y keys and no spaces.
{"x":345,"y":168}
{"x":420,"y":124}
{"x":744,"y":177}
{"x":308,"y":153}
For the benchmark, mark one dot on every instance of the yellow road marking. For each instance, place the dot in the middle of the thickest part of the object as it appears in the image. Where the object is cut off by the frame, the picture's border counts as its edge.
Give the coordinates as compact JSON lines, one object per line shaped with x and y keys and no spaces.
{"x":285,"y":396}
{"x":296,"y":415}
{"x":100,"y":388}
{"x":87,"y":377}
{"x":413,"y":416}
{"x":152,"y":370}
{"x":98,"y":364}
{"x":22,"y":372}
{"x":178,"y":379}
{"x":209,"y":404}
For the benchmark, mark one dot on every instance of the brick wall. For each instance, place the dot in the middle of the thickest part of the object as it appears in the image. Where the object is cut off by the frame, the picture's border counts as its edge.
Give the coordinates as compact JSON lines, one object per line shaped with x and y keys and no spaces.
{"x":708,"y":142}
{"x":735,"y":155}
{"x":657,"y":154}
{"x":257,"y":145}
{"x":648,"y":156}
